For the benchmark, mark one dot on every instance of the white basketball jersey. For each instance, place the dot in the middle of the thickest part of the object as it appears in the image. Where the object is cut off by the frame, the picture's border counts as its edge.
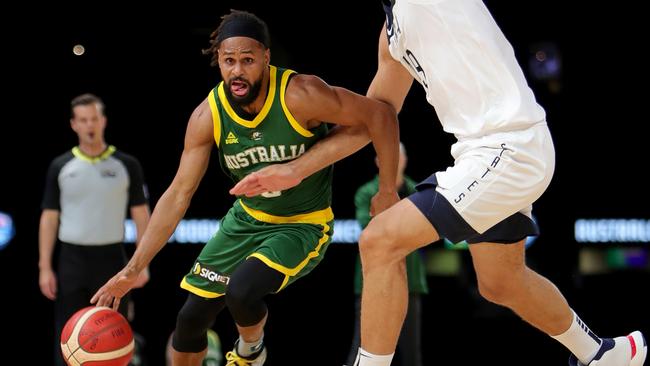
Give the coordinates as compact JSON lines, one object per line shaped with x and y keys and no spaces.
{"x":455,"y":49}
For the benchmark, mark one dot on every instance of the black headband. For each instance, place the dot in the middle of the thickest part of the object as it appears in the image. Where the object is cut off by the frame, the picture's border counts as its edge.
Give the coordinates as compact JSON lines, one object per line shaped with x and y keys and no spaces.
{"x":244,"y":28}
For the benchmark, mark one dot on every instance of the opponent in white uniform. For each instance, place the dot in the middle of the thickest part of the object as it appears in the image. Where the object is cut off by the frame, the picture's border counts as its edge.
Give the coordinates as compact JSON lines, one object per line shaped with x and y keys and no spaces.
{"x":504,"y":160}
{"x":504,"y":154}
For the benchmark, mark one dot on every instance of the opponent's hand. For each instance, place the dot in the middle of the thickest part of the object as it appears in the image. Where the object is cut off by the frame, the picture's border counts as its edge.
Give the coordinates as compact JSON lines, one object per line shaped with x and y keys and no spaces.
{"x":115,"y":289}
{"x":276,"y":177}
{"x":381,"y":201}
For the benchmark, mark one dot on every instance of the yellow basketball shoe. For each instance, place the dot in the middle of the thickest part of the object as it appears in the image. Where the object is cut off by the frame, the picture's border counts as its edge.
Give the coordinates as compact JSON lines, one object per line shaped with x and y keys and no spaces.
{"x":256,"y":359}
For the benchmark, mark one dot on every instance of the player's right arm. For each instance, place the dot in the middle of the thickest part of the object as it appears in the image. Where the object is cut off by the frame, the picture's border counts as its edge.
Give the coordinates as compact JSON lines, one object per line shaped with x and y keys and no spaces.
{"x":390,"y":85}
{"x":170,"y":208}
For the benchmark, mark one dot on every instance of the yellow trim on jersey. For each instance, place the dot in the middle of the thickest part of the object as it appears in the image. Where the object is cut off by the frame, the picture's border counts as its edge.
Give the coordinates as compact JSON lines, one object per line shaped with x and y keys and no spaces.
{"x":76,"y":151}
{"x":216,"y":121}
{"x":289,"y":272}
{"x":197,"y":291}
{"x":295,"y":124}
{"x":265,"y":109}
{"x":320,"y":217}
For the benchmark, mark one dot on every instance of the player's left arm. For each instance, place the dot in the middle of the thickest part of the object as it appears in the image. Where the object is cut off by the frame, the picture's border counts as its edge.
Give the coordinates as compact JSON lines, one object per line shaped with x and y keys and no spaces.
{"x":138,"y":208}
{"x":140,"y":215}
{"x":312,"y":101}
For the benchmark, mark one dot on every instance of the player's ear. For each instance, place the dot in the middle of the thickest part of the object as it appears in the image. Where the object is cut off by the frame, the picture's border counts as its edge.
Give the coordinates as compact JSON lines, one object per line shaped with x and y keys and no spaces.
{"x":267,"y":56}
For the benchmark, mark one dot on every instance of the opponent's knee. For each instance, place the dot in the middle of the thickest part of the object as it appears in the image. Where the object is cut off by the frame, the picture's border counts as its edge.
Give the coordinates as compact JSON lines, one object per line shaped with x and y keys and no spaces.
{"x":376,"y":245}
{"x":372,"y":239}
{"x":499,"y":290}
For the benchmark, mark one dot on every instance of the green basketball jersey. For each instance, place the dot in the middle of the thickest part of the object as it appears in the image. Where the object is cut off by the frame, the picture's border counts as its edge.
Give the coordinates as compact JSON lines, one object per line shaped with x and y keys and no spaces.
{"x":273,"y":136}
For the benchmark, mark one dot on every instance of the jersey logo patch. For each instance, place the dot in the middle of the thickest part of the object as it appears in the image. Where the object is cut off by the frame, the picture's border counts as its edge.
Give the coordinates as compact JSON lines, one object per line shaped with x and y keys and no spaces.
{"x":107,"y":173}
{"x":231,"y":139}
{"x":256,"y":136}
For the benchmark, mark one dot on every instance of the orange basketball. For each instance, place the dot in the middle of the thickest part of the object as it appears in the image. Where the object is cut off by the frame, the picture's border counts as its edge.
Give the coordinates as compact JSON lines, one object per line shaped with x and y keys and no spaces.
{"x":97,"y":336}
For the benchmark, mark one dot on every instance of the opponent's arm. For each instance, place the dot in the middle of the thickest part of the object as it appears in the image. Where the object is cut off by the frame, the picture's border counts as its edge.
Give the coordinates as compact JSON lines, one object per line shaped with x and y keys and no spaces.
{"x":392,"y":81}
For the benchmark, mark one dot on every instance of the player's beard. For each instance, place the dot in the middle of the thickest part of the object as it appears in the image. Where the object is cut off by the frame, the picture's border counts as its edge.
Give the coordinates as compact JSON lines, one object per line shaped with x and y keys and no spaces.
{"x":243,"y":101}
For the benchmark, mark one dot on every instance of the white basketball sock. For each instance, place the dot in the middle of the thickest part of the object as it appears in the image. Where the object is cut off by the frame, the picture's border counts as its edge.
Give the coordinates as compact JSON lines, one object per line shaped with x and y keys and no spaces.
{"x":365,"y":358}
{"x":246,"y":349}
{"x":581,"y":341}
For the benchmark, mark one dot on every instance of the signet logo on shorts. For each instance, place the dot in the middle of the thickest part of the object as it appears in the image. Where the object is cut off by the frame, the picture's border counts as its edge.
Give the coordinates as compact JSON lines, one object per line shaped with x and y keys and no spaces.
{"x":209,"y":274}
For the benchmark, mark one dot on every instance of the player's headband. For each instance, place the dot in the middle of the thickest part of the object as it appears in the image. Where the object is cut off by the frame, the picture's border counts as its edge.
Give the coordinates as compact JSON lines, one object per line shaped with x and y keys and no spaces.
{"x":244,"y":28}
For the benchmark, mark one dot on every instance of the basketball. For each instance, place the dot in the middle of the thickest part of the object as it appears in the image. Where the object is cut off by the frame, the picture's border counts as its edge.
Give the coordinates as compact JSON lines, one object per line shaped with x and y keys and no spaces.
{"x":97,"y":336}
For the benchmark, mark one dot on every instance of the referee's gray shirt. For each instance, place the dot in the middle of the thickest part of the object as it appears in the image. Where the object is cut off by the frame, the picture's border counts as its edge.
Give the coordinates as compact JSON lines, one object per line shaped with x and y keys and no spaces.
{"x":93,"y":195}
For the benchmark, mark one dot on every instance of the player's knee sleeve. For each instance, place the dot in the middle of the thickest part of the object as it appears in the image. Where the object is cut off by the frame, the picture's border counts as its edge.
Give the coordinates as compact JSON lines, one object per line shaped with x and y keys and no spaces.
{"x":193,"y":321}
{"x":247,"y":310}
{"x":248,"y":285}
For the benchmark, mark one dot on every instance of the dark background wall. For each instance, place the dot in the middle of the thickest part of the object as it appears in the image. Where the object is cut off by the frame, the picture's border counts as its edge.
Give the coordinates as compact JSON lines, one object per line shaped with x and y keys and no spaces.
{"x":147,"y":65}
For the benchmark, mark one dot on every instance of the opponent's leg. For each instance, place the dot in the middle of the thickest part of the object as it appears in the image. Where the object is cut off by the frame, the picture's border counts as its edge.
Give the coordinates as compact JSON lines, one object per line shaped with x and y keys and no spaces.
{"x":356,"y":335}
{"x":504,"y":278}
{"x":410,"y":339}
{"x":384,"y":245}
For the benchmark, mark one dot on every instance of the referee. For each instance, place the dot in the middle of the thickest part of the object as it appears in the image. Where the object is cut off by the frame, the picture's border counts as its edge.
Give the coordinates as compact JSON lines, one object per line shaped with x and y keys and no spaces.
{"x":87,"y":193}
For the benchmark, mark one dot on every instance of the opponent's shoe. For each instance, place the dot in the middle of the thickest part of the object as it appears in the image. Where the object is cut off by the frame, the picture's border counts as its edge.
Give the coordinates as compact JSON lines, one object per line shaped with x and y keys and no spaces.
{"x":629,"y":350}
{"x":256,"y":359}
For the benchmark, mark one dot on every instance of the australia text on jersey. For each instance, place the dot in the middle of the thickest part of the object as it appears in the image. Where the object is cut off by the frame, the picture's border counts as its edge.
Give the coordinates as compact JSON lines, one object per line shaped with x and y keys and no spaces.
{"x":263,"y":154}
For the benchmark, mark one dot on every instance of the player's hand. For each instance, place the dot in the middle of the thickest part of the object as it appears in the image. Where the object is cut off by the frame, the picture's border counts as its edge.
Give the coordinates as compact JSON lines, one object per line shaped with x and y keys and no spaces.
{"x":115,"y":289}
{"x":382,"y":200}
{"x":143,"y":278}
{"x":47,"y":282}
{"x":276,"y":177}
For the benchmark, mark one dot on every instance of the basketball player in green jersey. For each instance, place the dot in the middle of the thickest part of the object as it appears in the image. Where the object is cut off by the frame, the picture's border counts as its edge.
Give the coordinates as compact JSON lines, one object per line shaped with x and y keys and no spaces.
{"x":259,"y":115}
